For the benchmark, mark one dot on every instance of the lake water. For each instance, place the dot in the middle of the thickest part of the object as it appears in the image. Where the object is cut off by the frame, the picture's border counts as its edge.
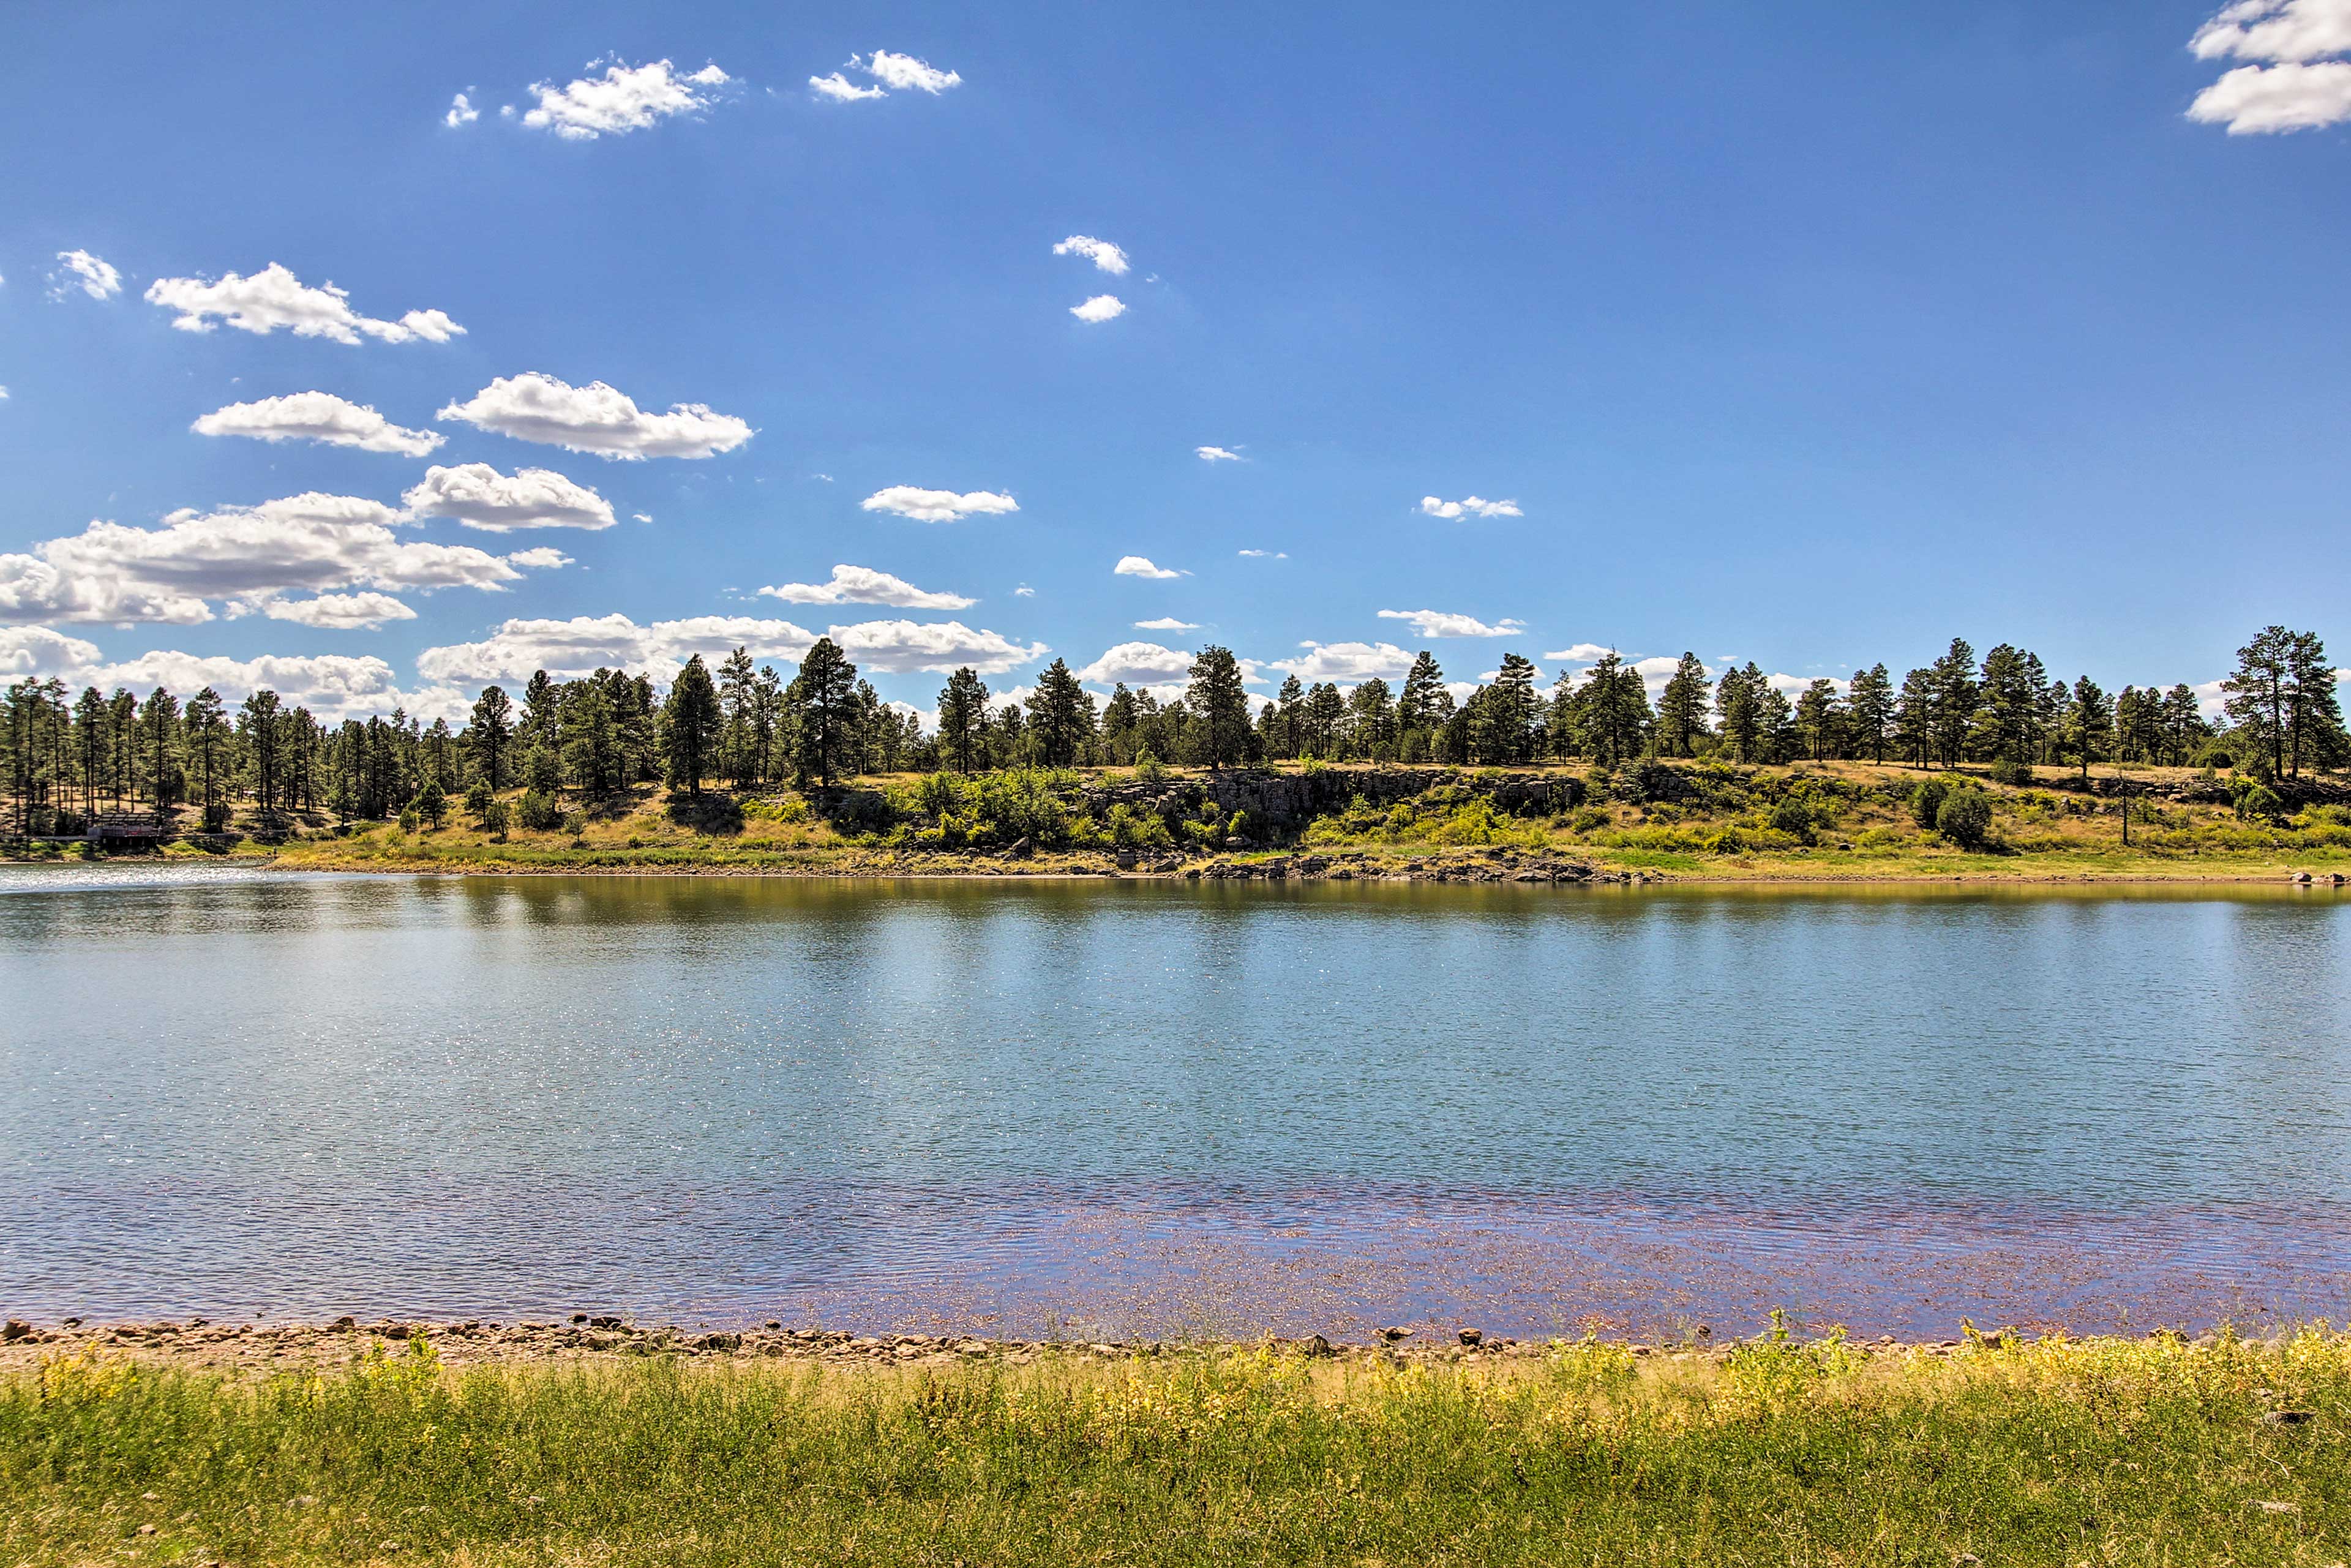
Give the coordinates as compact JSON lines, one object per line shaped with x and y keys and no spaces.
{"x":1144,"y":1108}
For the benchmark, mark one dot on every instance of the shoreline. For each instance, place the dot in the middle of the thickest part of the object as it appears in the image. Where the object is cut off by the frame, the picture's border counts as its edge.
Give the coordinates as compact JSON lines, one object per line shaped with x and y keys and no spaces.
{"x":252,"y":1347}
{"x":1629,"y":877}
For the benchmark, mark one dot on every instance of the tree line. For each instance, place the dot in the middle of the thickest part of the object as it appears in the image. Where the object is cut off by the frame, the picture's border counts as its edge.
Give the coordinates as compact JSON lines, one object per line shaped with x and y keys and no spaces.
{"x":68,"y":758}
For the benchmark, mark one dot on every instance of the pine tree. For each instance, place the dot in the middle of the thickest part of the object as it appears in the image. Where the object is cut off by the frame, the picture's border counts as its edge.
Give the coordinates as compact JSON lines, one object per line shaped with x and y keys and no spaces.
{"x":591,"y":740}
{"x":827,"y":709}
{"x":491,"y":735}
{"x":2261,"y":692}
{"x":963,"y":715}
{"x":159,"y":734}
{"x":1820,"y":714}
{"x":205,"y":722}
{"x":1953,"y":714}
{"x":690,"y":723}
{"x":1062,"y":715}
{"x":2314,"y":711}
{"x":1220,"y":700}
{"x":1869,"y":709}
{"x":540,"y":702}
{"x":1423,"y":705}
{"x":1681,"y":706}
{"x":2089,"y":723}
{"x":1371,"y":720}
{"x":1738,"y":702}
{"x":1289,"y":715}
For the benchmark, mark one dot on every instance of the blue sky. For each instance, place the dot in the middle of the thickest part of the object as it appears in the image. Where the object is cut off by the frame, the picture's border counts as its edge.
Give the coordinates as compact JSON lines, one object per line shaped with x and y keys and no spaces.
{"x":1813,"y":334}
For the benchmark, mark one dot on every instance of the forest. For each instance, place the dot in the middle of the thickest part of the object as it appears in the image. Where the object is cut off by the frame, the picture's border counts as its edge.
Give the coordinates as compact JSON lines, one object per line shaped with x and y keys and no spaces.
{"x":516,"y":759}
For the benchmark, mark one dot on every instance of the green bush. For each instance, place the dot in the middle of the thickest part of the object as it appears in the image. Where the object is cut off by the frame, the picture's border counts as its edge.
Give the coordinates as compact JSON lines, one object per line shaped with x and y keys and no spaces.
{"x":1965,"y":818}
{"x":1790,"y":817}
{"x":1926,"y":801}
{"x":2009,"y":770}
{"x":537,"y":812}
{"x":1132,"y":830}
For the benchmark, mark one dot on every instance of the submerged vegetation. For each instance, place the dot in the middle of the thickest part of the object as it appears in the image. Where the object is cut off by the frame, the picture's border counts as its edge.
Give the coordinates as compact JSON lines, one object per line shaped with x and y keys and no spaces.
{"x":2057,"y":1451}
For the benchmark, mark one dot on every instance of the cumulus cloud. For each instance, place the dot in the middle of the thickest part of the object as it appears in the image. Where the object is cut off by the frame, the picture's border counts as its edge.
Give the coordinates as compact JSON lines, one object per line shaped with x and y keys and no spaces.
{"x":339,"y":611}
{"x":1444,"y":624}
{"x":479,"y":496}
{"x":1100,"y":308}
{"x":333,"y":686}
{"x":461,"y":113}
{"x":2307,"y":83}
{"x":543,"y":556}
{"x":39,"y":651}
{"x":864,"y":585}
{"x":1469,"y":507}
{"x":274,"y":298}
{"x":595,"y":418}
{"x":1218,"y":455}
{"x":1106,"y":257}
{"x":1136,"y":565}
{"x":1138,"y":664}
{"x":2253,"y":100}
{"x":317,"y":416}
{"x":1266,"y":554}
{"x":936,"y":506}
{"x":1581,"y":654}
{"x":79,"y":270}
{"x":1168,"y":624}
{"x":1345,"y":663}
{"x":904,"y":72}
{"x":624,"y":99}
{"x":841,"y":90}
{"x":246,"y":556}
{"x":575,"y":646}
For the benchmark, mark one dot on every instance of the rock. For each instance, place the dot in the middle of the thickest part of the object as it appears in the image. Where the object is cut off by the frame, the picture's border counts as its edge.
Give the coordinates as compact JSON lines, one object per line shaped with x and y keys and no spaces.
{"x":2302,"y":876}
{"x":1316,"y":1346}
{"x":722,"y":1342}
{"x":2289,"y":1417}
{"x":1390,"y":1336}
{"x":606,"y":1322}
{"x":345,"y":1323}
{"x":392,"y":1330}
{"x":14,"y":1329}
{"x":1021,"y":849}
{"x":1473,"y":1337}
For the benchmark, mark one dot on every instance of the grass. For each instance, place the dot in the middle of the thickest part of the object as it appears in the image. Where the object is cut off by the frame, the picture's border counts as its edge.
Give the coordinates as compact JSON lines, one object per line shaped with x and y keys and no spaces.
{"x":2105,"y":1452}
{"x":1855,"y":823}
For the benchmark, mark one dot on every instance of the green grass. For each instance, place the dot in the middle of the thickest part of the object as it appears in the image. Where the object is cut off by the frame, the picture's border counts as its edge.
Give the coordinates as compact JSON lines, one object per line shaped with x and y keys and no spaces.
{"x":2149,"y":1452}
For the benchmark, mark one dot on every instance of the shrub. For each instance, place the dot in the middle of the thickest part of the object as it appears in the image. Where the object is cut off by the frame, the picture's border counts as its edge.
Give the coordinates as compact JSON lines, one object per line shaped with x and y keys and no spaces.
{"x":216,"y":817}
{"x":1147,"y":768}
{"x":2009,"y":770}
{"x":537,"y":811}
{"x":1965,"y":818}
{"x":1132,"y":830}
{"x":494,"y":816}
{"x":2259,"y":800}
{"x":1926,"y":801}
{"x":1791,"y":818}
{"x":477,"y":799}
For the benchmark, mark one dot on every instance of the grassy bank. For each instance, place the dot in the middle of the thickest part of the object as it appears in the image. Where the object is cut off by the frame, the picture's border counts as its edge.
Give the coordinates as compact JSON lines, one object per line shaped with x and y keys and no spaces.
{"x":1683,"y":821}
{"x":2056,"y":1452}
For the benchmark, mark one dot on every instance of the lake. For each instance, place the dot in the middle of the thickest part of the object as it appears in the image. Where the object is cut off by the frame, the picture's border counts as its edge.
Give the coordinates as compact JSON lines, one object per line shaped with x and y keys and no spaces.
{"x":1141,"y":1108}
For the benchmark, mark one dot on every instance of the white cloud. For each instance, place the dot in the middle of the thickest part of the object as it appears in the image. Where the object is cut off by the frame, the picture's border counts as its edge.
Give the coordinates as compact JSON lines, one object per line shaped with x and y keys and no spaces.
{"x":624,"y":99}
{"x":1444,"y":624}
{"x":317,"y":416}
{"x":1581,"y":654}
{"x":339,"y":611}
{"x":39,"y":651}
{"x":583,"y":644}
{"x":86,"y":272}
{"x":1218,"y":455}
{"x":479,"y":496}
{"x":864,"y":585}
{"x":461,"y":113}
{"x":1266,"y":554}
{"x":1469,"y":505}
{"x":246,"y":556}
{"x":1106,"y":257}
{"x":904,"y":72}
{"x":546,"y":557}
{"x":1168,"y":624}
{"x":333,"y":686}
{"x":1653,"y":671}
{"x":2276,"y":30}
{"x":1024,"y":591}
{"x":1138,"y":664}
{"x":1136,"y":565}
{"x":274,"y":298}
{"x":936,"y":506}
{"x":1100,"y":308}
{"x":2253,"y":100}
{"x":1346,"y":663}
{"x":1793,"y":685}
{"x":841,"y":90}
{"x":595,"y":418}
{"x":2301,"y":89}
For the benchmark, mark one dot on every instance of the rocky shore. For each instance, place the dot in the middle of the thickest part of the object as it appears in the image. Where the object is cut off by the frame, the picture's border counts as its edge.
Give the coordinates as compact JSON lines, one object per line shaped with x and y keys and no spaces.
{"x":261,"y":1348}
